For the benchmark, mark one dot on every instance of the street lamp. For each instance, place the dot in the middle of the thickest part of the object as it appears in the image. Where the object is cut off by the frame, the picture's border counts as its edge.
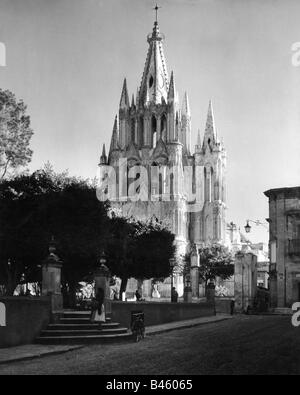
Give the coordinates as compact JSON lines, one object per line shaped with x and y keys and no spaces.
{"x":247,"y":227}
{"x":256,"y":222}
{"x":172,"y":262}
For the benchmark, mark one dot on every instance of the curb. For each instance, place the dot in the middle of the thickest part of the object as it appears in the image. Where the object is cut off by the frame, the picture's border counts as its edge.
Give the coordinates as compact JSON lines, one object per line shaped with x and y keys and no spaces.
{"x":188,"y":325}
{"x":44,"y":354}
{"x":73,"y":348}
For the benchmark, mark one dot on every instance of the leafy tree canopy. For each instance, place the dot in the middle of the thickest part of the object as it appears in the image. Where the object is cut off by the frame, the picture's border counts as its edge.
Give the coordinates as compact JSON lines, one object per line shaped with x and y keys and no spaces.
{"x":15,"y":133}
{"x":215,"y":261}
{"x":139,"y":249}
{"x":35,"y":207}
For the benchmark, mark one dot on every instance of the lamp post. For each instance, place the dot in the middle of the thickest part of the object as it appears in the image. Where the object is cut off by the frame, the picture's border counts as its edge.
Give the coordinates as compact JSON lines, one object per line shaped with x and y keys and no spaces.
{"x":256,"y":222}
{"x":172,"y":262}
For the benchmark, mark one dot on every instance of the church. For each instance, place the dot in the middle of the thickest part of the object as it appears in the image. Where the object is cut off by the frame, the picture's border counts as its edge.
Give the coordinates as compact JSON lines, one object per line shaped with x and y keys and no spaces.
{"x":153,"y":130}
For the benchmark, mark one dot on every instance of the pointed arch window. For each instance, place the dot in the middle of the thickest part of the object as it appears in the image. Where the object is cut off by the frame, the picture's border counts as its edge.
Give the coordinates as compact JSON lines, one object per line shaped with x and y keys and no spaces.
{"x":157,"y":180}
{"x":163,"y":127}
{"x":154,"y":131}
{"x":141,"y":132}
{"x":133,"y":130}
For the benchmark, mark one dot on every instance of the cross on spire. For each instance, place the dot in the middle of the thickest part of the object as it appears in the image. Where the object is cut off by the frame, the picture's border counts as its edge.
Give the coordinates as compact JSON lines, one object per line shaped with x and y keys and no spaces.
{"x":156,"y":8}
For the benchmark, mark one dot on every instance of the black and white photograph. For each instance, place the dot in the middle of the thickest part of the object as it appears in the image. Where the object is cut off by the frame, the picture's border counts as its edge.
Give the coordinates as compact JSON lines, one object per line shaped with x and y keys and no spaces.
{"x":149,"y":190}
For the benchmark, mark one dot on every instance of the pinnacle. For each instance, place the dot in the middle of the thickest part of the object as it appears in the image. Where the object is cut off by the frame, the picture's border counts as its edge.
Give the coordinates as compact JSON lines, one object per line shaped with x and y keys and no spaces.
{"x":124,"y":102}
{"x":210,"y":122}
{"x":186,"y":105}
{"x":171,"y":93}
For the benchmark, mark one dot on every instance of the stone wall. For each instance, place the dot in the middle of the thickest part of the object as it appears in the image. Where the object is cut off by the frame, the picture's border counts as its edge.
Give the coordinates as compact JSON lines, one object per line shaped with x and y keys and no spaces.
{"x":284,"y":219}
{"x":157,"y":313}
{"x":223,"y":305}
{"x":25,"y":318}
{"x":245,"y":278}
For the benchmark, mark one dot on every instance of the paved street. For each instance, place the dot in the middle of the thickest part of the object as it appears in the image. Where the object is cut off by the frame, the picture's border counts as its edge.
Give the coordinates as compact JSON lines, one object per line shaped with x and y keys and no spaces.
{"x":244,"y":345}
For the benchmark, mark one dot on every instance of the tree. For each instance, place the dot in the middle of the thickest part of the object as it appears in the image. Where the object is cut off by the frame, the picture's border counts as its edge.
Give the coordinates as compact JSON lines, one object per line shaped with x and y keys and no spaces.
{"x":215,"y":261}
{"x":139,"y":249}
{"x":120,"y":247}
{"x":35,"y":207}
{"x":15,"y":133}
{"x":153,"y":249}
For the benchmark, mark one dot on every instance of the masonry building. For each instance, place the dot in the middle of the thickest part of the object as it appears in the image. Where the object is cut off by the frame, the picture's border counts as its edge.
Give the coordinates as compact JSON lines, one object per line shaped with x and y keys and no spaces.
{"x":154,"y":130}
{"x":284,"y":244}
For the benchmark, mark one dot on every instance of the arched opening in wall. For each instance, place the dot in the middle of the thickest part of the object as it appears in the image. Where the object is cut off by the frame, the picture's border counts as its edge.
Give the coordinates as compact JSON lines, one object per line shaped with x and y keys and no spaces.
{"x":211,"y":187}
{"x":132,"y":130}
{"x":194,"y":181}
{"x":154,"y":180}
{"x":177,"y":126}
{"x":157,"y":180}
{"x":160,"y":181}
{"x":151,"y":81}
{"x":154,"y":131}
{"x":171,"y":186}
{"x":163,"y":127}
{"x":141,"y":132}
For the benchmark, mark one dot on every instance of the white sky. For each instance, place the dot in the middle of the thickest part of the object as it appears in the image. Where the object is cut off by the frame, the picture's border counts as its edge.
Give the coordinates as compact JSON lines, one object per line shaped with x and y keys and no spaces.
{"x":67,"y":60}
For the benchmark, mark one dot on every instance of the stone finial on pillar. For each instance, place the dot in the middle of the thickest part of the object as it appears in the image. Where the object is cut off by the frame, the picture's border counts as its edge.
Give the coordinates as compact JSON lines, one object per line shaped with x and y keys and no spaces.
{"x":51,"y":278}
{"x":195,"y":263}
{"x":187,"y":293}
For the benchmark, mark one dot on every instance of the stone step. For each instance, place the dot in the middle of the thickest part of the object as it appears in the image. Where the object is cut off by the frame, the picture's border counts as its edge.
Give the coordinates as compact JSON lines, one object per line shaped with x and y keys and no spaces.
{"x":106,"y":325}
{"x":79,"y":314}
{"x":92,"y":339}
{"x":89,"y":332}
{"x":75,"y":321}
{"x":83,"y":320}
{"x":76,"y":314}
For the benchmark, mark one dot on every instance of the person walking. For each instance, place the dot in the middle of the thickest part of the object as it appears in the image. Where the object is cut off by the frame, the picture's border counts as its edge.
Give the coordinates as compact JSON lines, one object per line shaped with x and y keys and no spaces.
{"x":174,"y":295}
{"x":98,"y":311}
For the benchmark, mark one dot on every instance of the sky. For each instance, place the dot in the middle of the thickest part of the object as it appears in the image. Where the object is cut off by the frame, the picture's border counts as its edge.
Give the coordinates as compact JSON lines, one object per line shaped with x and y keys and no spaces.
{"x":67,"y":60}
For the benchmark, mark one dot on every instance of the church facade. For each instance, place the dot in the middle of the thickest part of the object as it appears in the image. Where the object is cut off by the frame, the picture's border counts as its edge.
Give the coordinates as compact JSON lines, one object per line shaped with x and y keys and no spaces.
{"x":153,"y":131}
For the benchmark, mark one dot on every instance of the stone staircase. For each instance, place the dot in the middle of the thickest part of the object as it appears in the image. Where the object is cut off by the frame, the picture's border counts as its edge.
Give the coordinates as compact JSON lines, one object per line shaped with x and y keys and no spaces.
{"x":75,"y":327}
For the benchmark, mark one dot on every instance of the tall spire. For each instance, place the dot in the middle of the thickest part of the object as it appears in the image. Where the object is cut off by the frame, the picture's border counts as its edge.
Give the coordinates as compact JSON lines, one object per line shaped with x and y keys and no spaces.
{"x":137,"y":97}
{"x":114,"y":145}
{"x":155,"y":75}
{"x":198,"y":145}
{"x":124,"y":102}
{"x":210,"y":122}
{"x":186,"y":106}
{"x":172,"y":90}
{"x":103,"y":157}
